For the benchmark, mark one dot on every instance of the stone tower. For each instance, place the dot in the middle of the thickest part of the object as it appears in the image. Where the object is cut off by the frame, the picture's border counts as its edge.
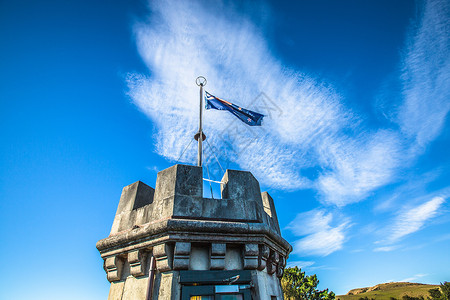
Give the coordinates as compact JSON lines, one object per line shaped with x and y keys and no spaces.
{"x":171,"y":243}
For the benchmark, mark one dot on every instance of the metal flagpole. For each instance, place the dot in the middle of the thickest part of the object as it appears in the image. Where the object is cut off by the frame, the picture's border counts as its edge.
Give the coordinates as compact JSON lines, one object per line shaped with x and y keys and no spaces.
{"x":201,"y":82}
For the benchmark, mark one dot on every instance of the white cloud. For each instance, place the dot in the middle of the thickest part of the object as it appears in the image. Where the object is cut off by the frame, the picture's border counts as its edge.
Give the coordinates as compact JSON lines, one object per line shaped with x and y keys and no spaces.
{"x":300,"y":263}
{"x":385,"y":249}
{"x":320,"y":237}
{"x":413,"y":278}
{"x":426,"y":75}
{"x":412,"y":188}
{"x":359,"y":165}
{"x":315,"y":129}
{"x":414,"y":219}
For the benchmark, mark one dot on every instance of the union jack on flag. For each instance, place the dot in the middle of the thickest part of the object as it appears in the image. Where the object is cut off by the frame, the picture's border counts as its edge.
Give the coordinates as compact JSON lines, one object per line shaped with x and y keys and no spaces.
{"x":247,"y":116}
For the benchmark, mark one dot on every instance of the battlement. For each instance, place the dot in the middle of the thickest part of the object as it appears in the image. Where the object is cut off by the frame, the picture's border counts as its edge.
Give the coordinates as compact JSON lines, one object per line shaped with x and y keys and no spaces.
{"x":179,"y":195}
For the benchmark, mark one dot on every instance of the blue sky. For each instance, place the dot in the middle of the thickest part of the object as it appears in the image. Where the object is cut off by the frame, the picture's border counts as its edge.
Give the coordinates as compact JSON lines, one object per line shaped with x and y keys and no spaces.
{"x":98,"y":94}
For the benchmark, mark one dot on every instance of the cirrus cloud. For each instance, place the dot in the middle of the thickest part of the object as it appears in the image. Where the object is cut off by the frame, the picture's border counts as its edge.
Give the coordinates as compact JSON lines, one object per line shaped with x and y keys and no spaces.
{"x":320,"y":236}
{"x":314,"y":131}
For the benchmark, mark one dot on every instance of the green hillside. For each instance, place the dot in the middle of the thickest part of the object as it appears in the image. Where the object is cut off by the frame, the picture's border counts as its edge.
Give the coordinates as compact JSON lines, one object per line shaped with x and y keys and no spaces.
{"x":385,"y":291}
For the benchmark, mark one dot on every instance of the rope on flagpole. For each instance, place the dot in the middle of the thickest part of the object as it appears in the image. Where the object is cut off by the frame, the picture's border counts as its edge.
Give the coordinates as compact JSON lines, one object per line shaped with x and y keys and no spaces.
{"x":210,"y":185}
{"x":215,"y":181}
{"x":212,"y":150}
{"x":184,"y":151}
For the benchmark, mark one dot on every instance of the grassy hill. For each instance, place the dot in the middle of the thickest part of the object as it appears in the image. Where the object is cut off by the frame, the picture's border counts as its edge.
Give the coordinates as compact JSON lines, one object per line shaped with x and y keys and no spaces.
{"x":385,"y":291}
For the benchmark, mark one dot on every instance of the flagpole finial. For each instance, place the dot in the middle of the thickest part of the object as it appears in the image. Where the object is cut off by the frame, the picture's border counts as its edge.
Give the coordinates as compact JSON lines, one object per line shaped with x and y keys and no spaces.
{"x":200,"y":81}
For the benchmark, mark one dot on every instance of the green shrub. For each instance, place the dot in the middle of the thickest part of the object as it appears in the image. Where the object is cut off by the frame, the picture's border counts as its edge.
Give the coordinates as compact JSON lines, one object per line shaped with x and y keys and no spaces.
{"x":297,"y":286}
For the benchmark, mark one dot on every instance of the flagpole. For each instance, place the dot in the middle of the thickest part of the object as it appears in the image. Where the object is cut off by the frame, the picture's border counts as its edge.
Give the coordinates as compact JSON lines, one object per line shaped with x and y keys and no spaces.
{"x":200,"y":137}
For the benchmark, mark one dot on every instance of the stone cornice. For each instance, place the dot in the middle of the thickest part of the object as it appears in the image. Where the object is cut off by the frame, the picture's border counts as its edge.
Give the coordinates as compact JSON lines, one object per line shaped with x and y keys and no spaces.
{"x":154,"y":233}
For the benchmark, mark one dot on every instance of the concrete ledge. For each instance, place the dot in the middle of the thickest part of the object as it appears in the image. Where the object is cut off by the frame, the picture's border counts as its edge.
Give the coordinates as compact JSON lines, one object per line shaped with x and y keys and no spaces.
{"x":153,"y":230}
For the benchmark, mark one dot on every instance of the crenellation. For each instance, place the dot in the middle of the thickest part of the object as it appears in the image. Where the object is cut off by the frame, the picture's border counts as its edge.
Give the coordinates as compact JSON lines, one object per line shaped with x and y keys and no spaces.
{"x":271,"y":214}
{"x":179,"y":180}
{"x":178,"y":194}
{"x":240,"y":185}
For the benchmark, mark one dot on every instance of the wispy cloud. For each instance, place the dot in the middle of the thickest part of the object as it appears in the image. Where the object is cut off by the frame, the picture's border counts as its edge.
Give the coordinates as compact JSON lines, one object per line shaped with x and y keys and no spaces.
{"x":300,"y":263}
{"x":359,"y":165}
{"x":414,"y":278}
{"x":413,"y":219}
{"x":385,"y":249}
{"x":320,"y":236}
{"x":426,"y":75}
{"x":315,"y":129}
{"x":415,"y":185}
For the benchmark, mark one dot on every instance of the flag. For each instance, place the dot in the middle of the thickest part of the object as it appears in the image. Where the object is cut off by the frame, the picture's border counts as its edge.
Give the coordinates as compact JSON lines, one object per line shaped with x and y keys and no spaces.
{"x":247,"y":116}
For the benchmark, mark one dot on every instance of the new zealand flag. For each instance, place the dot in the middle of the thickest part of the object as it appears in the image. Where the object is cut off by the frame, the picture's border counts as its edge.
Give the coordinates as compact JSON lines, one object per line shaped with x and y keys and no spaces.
{"x":247,"y":116}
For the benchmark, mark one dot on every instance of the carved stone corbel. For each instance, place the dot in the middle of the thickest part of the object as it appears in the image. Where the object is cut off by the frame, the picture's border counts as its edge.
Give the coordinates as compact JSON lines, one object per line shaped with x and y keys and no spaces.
{"x":113,"y":267}
{"x":163,"y":257}
{"x":251,"y":253}
{"x":272,"y":262}
{"x":280,"y":266}
{"x":218,"y":256}
{"x":264,"y":252}
{"x":181,"y":256}
{"x":137,"y":260}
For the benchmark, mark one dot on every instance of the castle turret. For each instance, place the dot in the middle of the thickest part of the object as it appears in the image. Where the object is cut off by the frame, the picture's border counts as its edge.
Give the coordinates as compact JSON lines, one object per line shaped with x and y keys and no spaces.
{"x":172,"y":243}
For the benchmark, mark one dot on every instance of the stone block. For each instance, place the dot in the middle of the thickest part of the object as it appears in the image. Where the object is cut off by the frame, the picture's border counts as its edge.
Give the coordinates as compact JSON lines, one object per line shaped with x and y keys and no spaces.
{"x":272,"y":262}
{"x":135,"y":288}
{"x":167,"y":286}
{"x":269,"y":209}
{"x":218,"y":256}
{"x":181,"y":256}
{"x":137,"y":261}
{"x":162,"y":208}
{"x":181,"y":180}
{"x":251,"y":252}
{"x":241,"y":185}
{"x":163,"y":254}
{"x":187,"y":206}
{"x":113,"y":267}
{"x":116,"y":290}
{"x":224,"y":209}
{"x":266,"y":287}
{"x":134,"y":196}
{"x":200,"y":257}
{"x":263,"y":255}
{"x":280,"y":266}
{"x":233,"y":258}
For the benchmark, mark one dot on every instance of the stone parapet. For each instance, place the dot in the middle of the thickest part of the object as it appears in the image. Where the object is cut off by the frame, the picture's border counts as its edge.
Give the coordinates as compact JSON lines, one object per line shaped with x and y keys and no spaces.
{"x":179,"y":194}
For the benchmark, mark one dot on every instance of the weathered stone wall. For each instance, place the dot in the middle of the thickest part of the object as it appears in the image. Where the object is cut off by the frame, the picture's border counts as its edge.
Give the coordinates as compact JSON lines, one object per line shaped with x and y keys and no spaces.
{"x":179,"y":194}
{"x":184,"y":231}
